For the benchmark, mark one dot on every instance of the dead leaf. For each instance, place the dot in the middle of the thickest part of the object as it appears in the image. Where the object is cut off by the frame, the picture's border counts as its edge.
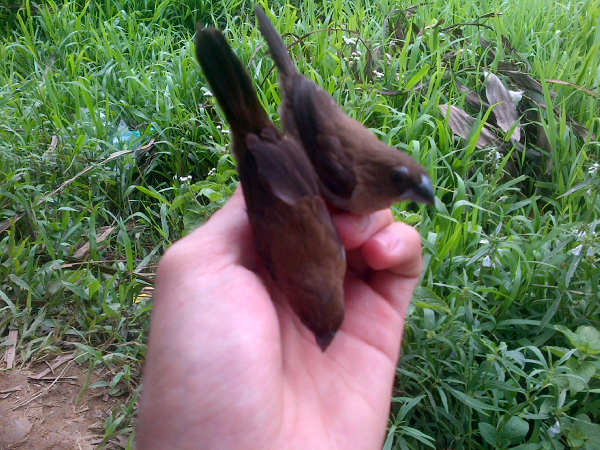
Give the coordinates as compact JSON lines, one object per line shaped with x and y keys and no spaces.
{"x":6,"y":224}
{"x":85,"y":248}
{"x":120,"y":441}
{"x":11,"y":351}
{"x":578,"y":129}
{"x":411,"y":10}
{"x":145,"y":295}
{"x":53,"y":144}
{"x":490,"y":14}
{"x":508,"y":45}
{"x":399,"y":33}
{"x":526,"y":82}
{"x":507,"y":65}
{"x":473,"y":99}
{"x":487,"y":46}
{"x":439,"y":23}
{"x":462,"y":123}
{"x":576,"y":86}
{"x":52,"y":148}
{"x":59,"y":361}
{"x":504,"y":109}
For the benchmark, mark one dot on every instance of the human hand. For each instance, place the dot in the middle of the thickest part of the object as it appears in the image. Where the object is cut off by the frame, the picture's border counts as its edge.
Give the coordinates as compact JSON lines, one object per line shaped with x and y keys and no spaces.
{"x":229,"y":367}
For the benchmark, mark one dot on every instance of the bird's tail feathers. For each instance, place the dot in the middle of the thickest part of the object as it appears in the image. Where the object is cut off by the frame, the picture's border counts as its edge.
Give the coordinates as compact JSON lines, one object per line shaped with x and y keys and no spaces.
{"x":276,"y":45}
{"x":229,"y":80}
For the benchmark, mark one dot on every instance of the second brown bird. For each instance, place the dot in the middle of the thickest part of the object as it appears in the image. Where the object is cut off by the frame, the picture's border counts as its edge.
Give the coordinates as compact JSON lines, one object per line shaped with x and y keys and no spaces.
{"x":357,"y":171}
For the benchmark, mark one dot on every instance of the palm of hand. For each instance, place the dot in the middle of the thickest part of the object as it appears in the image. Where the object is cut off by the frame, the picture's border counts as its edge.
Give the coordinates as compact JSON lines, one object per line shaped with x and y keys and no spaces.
{"x":228,"y":367}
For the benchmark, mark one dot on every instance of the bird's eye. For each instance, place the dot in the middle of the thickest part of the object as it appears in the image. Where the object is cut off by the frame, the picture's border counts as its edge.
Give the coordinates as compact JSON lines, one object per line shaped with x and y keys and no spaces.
{"x":400,"y":175}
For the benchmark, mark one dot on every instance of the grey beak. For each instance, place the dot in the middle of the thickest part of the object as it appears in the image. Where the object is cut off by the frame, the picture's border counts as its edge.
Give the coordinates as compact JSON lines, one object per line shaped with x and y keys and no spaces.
{"x":425,"y":190}
{"x":422,"y":192}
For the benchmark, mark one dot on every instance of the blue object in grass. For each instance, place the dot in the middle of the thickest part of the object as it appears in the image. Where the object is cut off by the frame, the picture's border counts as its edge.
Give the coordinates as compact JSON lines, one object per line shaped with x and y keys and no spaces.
{"x":126,"y":138}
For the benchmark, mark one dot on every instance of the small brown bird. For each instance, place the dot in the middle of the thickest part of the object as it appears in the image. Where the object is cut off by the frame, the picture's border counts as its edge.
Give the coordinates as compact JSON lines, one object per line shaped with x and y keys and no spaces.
{"x":294,"y":235}
{"x":357,"y":172}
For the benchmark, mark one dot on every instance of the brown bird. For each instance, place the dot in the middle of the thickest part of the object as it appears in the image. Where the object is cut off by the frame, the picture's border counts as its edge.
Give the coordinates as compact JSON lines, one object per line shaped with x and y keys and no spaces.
{"x":294,"y":235}
{"x":357,"y":172}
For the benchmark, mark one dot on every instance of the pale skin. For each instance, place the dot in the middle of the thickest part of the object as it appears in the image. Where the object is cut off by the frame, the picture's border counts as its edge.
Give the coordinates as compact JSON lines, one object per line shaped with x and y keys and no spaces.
{"x":228,"y":367}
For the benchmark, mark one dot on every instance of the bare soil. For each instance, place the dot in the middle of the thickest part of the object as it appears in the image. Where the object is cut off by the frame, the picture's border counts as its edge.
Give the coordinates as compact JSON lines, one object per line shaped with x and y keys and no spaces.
{"x":41,"y":412}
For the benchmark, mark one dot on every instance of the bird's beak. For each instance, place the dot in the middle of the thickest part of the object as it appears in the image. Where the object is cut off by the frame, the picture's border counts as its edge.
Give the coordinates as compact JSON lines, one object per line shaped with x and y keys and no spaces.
{"x":422,"y":192}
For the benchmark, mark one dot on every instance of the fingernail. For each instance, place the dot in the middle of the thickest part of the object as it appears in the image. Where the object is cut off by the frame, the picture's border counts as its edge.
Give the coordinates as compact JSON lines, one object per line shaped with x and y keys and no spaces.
{"x":360,"y":222}
{"x":389,"y":240}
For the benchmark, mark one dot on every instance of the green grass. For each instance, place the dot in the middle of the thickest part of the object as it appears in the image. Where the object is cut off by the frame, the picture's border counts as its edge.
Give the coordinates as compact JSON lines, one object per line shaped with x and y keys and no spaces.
{"x":492,"y":355}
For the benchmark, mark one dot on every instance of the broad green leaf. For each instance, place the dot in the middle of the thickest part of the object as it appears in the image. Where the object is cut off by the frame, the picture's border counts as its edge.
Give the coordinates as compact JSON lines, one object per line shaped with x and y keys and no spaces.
{"x":586,"y":338}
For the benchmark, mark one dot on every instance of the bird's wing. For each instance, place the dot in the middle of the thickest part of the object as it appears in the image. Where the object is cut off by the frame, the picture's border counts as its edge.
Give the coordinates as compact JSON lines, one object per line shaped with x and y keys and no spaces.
{"x":282,"y":165}
{"x":319,"y":138}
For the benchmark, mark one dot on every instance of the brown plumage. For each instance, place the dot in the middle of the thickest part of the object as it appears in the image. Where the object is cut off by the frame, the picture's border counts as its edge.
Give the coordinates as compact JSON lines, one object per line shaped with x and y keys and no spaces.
{"x":294,"y":235}
{"x":357,"y":172}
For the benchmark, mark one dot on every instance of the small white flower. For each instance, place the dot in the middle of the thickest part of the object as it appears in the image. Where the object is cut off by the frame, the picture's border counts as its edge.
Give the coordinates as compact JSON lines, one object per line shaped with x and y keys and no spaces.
{"x":208,"y":94}
{"x":555,"y":429}
{"x":378,"y":74}
{"x":593,"y":169}
{"x":487,"y":262}
{"x":225,"y":131}
{"x":494,"y":155}
{"x":212,"y":171}
{"x":349,"y":41}
{"x":484,"y":241}
{"x":590,"y":251}
{"x":577,"y":250}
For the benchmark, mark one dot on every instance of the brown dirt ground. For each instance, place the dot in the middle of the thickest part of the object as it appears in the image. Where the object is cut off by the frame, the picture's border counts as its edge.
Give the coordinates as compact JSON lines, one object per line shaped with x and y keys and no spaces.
{"x":38,"y":414}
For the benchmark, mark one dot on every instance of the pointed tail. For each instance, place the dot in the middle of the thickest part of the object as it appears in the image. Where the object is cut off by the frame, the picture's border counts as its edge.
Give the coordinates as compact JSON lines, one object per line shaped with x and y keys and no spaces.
{"x":229,"y":81}
{"x":278,"y":49}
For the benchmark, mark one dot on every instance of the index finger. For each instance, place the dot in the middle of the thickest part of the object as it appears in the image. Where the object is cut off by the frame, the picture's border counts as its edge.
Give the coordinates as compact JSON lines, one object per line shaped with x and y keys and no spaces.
{"x":396,"y":248}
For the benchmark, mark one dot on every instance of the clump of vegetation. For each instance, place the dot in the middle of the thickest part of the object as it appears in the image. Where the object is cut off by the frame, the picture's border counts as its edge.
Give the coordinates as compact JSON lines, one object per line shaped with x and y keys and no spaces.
{"x":111,"y":148}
